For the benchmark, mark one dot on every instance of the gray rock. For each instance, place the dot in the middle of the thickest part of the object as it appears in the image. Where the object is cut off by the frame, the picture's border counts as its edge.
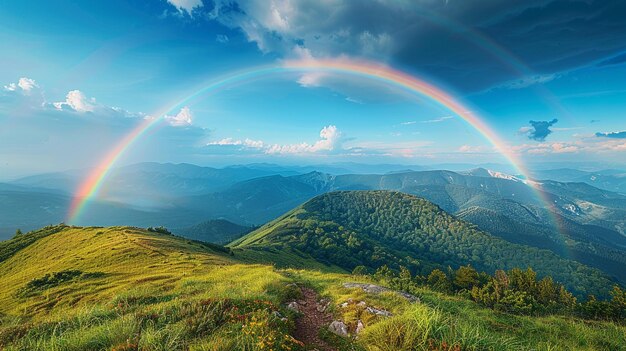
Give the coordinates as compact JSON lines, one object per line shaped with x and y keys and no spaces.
{"x":322,"y":305}
{"x":377,"y":289}
{"x":293,"y":306}
{"x":338,"y":328}
{"x":378,"y":312}
{"x":359,"y":327}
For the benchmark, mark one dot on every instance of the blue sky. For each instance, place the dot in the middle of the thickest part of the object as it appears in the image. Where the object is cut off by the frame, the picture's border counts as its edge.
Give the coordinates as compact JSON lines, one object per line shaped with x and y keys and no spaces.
{"x":76,"y":76}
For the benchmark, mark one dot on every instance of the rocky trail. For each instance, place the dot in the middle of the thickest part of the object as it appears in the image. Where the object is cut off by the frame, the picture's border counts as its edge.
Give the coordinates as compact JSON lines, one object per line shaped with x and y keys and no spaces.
{"x":314,"y":317}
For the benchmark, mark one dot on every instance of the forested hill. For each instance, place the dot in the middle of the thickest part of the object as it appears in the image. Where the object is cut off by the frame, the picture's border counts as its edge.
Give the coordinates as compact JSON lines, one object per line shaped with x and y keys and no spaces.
{"x":375,"y":228}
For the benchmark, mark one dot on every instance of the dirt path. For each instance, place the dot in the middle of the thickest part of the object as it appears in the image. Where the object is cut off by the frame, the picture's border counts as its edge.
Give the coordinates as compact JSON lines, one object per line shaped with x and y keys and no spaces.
{"x":312,"y":320}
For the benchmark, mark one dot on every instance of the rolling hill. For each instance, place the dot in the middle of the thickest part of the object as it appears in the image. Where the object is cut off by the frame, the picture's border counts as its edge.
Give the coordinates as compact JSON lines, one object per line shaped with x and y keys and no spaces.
{"x":592,"y":221}
{"x":125,"y":288}
{"x":375,"y":228}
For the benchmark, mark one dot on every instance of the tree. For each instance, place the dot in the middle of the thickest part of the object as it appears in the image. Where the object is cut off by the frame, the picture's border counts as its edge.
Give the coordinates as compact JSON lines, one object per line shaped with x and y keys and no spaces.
{"x":405,"y":279}
{"x":383,"y":273}
{"x":466,"y":277}
{"x":359,"y":270}
{"x":618,"y":303}
{"x":18,"y":232}
{"x":439,"y":281}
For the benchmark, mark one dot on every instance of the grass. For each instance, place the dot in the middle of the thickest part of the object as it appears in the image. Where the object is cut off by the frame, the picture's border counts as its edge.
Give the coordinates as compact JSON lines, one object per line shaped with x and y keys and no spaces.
{"x":128,"y":289}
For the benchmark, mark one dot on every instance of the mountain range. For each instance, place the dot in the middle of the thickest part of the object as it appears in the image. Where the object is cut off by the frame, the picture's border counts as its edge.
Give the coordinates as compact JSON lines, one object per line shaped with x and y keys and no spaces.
{"x":581,"y":222}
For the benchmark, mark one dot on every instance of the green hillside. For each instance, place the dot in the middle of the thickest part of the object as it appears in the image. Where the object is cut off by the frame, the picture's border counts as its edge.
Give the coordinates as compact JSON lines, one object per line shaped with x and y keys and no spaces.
{"x":375,"y":228}
{"x":124,"y":288}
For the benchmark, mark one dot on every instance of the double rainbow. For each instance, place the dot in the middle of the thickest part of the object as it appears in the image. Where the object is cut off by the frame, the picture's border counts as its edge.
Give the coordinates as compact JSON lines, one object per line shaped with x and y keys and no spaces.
{"x":90,"y":186}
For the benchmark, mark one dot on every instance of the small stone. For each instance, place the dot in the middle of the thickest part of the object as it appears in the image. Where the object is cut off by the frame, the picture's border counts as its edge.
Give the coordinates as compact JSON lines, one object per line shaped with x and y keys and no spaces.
{"x":322,"y":305}
{"x":293,"y":306}
{"x":344,"y":305}
{"x":359,"y":327}
{"x":376,"y":289}
{"x":378,"y":312}
{"x":338,"y":328}
{"x":362,"y":304}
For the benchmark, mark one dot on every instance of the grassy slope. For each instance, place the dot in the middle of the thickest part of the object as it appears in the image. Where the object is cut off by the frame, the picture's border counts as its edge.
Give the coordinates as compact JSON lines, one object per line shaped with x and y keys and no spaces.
{"x":419,"y":230}
{"x":156,"y":288}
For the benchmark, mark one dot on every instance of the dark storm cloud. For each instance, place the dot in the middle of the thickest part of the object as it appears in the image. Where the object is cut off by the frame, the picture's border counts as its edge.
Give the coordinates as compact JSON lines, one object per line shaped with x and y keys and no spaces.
{"x":540,"y":129}
{"x":612,"y":135}
{"x":443,"y":39}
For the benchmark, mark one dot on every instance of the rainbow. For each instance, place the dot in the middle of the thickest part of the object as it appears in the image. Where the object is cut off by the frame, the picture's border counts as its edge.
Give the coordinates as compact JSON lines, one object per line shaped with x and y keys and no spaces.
{"x":88,"y":189}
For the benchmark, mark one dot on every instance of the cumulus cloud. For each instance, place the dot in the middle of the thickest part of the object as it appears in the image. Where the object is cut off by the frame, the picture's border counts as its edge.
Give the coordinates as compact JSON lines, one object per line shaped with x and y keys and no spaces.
{"x":77,"y":101}
{"x":538,"y":130}
{"x":613,"y":135}
{"x":186,"y":5}
{"x":85,"y":128}
{"x":331,"y":140}
{"x":280,"y":25}
{"x":183,"y":118}
{"x":25,"y":85}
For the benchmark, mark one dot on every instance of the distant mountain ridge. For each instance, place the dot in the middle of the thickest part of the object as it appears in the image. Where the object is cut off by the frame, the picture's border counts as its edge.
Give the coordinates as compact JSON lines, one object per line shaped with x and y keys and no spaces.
{"x":593,"y":221}
{"x":608,"y":179}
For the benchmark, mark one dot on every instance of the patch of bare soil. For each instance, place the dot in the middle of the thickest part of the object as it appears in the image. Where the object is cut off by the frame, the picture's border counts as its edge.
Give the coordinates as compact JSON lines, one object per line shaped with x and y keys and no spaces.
{"x":314,"y":317}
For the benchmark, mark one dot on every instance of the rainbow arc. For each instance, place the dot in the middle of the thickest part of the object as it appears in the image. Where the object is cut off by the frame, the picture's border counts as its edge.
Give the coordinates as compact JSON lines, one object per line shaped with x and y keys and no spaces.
{"x":89,"y":188}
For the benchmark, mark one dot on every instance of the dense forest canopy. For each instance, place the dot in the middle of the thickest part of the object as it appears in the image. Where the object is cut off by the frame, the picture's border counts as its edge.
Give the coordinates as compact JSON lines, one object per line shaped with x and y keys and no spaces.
{"x":376,"y":228}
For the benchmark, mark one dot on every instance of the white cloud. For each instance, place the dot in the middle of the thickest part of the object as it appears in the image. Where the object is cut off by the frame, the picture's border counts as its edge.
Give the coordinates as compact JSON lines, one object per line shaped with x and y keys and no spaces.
{"x":186,"y":5}
{"x":588,"y":145}
{"x":330,"y":141}
{"x":77,"y":101}
{"x":311,"y":79}
{"x":326,"y":28}
{"x":183,"y":118}
{"x":408,"y":123}
{"x":403,"y":149}
{"x":470,"y":149}
{"x":255,"y":144}
{"x":353,"y":100}
{"x":10,"y":87}
{"x":528,"y":81}
{"x":26,"y":85}
{"x":438,"y":120}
